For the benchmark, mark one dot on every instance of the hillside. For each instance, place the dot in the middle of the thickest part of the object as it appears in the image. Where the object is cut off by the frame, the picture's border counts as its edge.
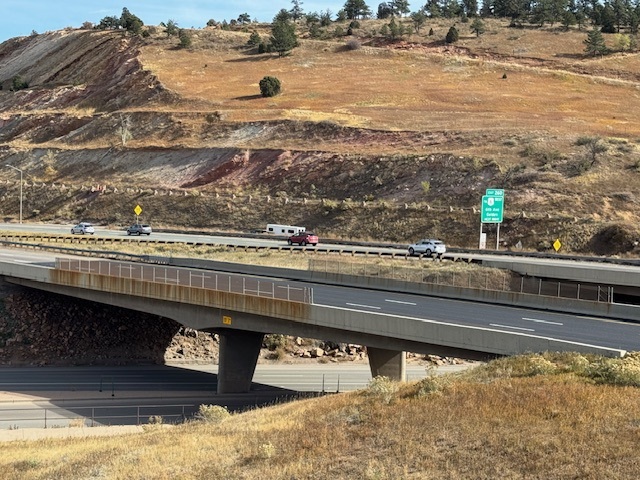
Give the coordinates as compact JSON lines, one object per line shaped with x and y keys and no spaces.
{"x":537,"y":416}
{"x":369,"y":140}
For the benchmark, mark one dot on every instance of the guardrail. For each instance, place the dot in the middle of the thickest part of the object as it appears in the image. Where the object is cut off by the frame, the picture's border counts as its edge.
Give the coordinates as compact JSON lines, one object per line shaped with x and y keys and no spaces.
{"x":328,"y":246}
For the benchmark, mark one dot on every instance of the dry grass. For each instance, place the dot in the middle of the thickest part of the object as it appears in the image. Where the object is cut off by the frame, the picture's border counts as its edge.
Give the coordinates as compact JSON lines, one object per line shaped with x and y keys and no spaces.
{"x":425,"y":88}
{"x":407,"y":268}
{"x":536,"y":416}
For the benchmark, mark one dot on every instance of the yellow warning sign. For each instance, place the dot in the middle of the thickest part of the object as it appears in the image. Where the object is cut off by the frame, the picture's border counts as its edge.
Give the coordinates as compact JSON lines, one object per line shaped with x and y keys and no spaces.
{"x":557,"y":244}
{"x":137,"y":210}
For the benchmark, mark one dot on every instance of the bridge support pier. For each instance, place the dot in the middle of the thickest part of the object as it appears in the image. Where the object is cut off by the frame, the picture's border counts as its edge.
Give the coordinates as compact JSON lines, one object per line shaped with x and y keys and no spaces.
{"x":239,"y":352}
{"x":387,"y":363}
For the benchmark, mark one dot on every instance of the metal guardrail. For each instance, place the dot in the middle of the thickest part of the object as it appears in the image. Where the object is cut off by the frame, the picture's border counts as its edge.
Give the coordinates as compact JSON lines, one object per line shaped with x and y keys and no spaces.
{"x":328,"y":246}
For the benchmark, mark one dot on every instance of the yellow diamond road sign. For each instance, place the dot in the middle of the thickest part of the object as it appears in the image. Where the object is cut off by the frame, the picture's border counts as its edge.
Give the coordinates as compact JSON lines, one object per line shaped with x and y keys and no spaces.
{"x":557,"y":244}
{"x":138,"y":210}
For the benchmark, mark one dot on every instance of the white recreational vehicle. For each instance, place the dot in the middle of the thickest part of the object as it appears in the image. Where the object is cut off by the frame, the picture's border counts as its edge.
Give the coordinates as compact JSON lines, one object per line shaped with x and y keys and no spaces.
{"x":288,"y":230}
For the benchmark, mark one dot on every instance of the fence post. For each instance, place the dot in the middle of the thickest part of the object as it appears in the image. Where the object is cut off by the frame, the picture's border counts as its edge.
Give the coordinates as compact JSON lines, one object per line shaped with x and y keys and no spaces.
{"x":45,"y":418}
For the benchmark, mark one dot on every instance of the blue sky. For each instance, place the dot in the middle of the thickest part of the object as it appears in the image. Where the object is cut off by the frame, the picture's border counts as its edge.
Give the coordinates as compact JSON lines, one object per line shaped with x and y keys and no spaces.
{"x":21,"y":17}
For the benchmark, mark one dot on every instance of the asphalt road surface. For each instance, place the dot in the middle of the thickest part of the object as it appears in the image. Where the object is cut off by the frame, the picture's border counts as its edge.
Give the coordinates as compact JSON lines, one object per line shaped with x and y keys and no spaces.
{"x":50,"y":397}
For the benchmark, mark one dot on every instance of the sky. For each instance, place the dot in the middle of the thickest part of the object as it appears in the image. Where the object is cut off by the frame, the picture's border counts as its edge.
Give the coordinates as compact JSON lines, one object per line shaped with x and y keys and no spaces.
{"x":21,"y":17}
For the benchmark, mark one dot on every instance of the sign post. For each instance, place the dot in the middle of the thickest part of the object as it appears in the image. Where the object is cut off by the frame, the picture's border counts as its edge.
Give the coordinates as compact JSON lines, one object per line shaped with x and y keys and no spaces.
{"x":492,"y":212}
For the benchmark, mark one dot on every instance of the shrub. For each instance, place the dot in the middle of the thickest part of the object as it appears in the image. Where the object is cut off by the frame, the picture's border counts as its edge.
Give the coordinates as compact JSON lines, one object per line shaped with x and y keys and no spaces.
{"x":185,"y":38}
{"x":18,"y":83}
{"x":433,"y":384}
{"x":452,"y":35}
{"x":155,"y":420}
{"x":214,"y":117}
{"x":274,"y":341}
{"x":353,"y":44}
{"x":254,"y":39}
{"x":212,"y":413}
{"x":270,"y":86}
{"x":267,"y":450}
{"x":616,"y":371}
{"x":382,"y":388}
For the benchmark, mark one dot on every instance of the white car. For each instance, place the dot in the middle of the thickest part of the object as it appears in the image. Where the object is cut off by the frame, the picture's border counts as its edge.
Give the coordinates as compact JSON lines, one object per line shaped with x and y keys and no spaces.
{"x":82,"y":228}
{"x":427,"y":246}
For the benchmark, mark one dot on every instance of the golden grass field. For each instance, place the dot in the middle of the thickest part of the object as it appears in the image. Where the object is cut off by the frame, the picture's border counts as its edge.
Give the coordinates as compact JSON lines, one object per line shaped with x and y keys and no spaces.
{"x":529,"y":417}
{"x":419,"y":85}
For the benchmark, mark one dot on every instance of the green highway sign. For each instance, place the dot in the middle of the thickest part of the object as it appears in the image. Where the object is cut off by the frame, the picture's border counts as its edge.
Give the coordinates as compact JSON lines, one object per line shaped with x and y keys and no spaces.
{"x":492,"y":208}
{"x":495,"y":192}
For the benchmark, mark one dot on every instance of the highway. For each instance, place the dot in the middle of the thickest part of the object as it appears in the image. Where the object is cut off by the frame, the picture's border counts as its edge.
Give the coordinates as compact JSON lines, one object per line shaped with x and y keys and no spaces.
{"x":618,"y":266}
{"x":171,"y":237}
{"x":32,"y":397}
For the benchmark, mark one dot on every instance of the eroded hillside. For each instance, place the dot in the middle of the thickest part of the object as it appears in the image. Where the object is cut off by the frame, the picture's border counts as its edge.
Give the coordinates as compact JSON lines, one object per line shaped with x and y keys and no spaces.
{"x":386,"y":142}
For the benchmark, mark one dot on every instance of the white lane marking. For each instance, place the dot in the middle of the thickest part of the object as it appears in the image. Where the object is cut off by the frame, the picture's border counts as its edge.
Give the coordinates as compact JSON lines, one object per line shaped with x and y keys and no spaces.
{"x":619,"y":351}
{"x":363,"y":306}
{"x":542,"y":321}
{"x":399,"y":301}
{"x":509,"y":326}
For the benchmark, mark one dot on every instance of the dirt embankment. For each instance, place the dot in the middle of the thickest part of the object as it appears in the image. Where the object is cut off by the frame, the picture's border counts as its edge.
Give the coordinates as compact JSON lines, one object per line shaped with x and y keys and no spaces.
{"x":76,"y":70}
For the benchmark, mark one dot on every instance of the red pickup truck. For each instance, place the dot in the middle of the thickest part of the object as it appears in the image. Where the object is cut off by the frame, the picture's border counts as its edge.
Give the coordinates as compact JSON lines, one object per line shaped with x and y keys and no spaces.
{"x":303,"y":238}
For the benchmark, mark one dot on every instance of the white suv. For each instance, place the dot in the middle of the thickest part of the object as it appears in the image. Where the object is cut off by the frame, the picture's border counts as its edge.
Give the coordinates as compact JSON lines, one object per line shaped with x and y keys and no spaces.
{"x":82,"y":228}
{"x":427,"y":246}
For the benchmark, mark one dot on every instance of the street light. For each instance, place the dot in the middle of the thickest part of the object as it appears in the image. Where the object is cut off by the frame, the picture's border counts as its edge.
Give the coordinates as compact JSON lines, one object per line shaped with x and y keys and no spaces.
{"x":15,"y":168}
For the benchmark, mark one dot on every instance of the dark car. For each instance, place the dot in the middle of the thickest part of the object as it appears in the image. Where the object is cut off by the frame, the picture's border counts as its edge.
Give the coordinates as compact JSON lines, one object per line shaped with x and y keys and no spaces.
{"x":139,"y":229}
{"x":303,"y":238}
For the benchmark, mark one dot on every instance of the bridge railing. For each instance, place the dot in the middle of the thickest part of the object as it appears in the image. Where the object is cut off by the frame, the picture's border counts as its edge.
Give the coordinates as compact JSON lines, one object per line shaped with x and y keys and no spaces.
{"x":210,"y":280}
{"x":487,"y":279}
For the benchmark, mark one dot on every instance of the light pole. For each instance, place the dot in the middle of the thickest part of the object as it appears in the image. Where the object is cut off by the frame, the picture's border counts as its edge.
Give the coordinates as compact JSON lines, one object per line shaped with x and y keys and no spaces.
{"x":15,"y":168}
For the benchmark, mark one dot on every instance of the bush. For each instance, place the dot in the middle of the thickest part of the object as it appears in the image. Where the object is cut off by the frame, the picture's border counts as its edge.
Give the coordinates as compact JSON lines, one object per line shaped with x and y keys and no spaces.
{"x":353,"y":44}
{"x":274,"y":341}
{"x":452,"y":35}
{"x":212,"y":413}
{"x":156,"y":420}
{"x":383,"y":388}
{"x":270,"y":86}
{"x":18,"y":83}
{"x":254,"y":39}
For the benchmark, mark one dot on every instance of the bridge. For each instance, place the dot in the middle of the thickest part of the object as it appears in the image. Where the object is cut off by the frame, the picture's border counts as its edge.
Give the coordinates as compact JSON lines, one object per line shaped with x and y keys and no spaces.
{"x":241,"y":308}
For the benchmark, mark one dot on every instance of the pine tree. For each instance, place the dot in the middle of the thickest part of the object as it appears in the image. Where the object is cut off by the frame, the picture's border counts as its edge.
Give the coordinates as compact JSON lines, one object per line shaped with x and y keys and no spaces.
{"x":477,"y":26}
{"x":283,"y":37}
{"x":452,"y":35}
{"x":595,"y":43}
